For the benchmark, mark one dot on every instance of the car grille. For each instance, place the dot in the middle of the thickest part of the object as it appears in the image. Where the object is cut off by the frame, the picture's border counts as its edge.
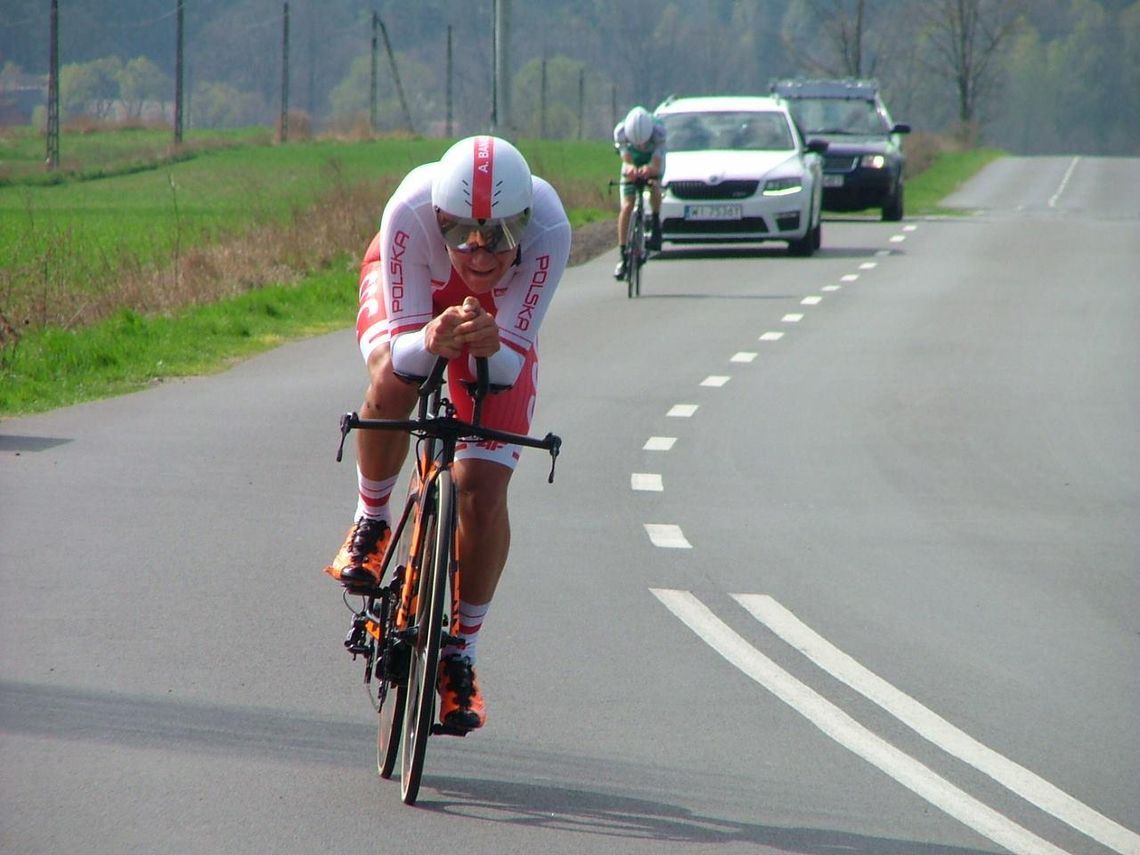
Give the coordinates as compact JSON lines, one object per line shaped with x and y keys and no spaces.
{"x":736,"y":189}
{"x":840,"y":164}
{"x":678,"y":226}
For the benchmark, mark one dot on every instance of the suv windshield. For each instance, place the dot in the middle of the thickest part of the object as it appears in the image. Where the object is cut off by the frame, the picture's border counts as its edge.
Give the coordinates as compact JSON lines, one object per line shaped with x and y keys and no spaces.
{"x":837,"y":116}
{"x":743,"y":131}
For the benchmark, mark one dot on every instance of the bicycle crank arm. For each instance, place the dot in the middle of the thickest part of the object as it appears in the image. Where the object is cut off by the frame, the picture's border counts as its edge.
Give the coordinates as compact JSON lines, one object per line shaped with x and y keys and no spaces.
{"x":438,"y":729}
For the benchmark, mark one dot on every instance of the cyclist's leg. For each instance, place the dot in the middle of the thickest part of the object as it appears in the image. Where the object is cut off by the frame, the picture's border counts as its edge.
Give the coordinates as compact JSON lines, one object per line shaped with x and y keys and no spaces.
{"x":379,"y":454}
{"x":624,"y":214}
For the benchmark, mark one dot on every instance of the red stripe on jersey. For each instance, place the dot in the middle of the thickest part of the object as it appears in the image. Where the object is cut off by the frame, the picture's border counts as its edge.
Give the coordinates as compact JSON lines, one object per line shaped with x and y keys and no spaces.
{"x":481,"y":178}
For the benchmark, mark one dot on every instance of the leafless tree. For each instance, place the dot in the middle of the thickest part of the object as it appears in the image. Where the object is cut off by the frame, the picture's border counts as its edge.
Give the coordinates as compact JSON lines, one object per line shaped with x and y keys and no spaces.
{"x":844,"y":25}
{"x":963,"y":38}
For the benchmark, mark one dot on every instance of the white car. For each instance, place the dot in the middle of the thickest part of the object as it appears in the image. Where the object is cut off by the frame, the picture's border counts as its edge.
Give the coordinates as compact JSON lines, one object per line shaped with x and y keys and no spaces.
{"x":737,"y":170}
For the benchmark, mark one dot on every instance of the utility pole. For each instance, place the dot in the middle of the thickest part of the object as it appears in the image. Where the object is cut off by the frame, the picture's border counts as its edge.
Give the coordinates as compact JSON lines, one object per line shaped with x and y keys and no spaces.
{"x":581,"y":99}
{"x":284,"y":134}
{"x":448,"y":132}
{"x":542,"y":103}
{"x":494,"y":66}
{"x":53,"y":90}
{"x":178,"y":80}
{"x":373,"y":90}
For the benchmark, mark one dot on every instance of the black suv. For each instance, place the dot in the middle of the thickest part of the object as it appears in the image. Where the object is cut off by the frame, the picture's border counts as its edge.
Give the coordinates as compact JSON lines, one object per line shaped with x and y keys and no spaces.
{"x":863,"y":167}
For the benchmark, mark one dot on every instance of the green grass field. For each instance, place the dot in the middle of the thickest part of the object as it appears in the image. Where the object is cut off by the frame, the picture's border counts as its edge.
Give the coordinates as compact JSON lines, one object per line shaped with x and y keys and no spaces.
{"x":84,"y":260}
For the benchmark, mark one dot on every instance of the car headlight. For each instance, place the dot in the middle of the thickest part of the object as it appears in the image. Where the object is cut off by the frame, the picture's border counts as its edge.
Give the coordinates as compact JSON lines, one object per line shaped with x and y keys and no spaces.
{"x":873,"y":161}
{"x":783,"y":186}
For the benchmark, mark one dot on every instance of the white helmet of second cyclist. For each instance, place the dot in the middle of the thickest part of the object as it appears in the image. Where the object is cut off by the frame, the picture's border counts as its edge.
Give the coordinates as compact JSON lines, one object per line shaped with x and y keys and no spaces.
{"x":482,"y":178}
{"x":638,"y":126}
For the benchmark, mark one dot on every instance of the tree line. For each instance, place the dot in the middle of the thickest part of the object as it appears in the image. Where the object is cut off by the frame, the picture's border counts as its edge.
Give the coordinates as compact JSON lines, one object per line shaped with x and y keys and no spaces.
{"x":1033,"y":76}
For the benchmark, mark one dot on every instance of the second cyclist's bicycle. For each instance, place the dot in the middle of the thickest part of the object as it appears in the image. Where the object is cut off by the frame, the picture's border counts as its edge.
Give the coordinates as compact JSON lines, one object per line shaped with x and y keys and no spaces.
{"x":636,"y":238}
{"x":400,"y":626}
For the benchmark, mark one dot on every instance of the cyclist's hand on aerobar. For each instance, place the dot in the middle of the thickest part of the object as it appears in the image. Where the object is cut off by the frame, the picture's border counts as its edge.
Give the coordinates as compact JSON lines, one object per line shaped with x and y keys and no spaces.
{"x":458,"y":327}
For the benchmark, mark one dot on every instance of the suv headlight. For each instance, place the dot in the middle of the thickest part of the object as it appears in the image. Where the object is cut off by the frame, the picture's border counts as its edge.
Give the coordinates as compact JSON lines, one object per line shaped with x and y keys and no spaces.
{"x":783,"y":186}
{"x":873,"y":161}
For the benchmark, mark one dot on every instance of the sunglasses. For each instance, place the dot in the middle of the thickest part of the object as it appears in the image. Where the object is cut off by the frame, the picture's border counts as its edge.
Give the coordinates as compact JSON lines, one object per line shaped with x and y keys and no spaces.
{"x":492,"y":235}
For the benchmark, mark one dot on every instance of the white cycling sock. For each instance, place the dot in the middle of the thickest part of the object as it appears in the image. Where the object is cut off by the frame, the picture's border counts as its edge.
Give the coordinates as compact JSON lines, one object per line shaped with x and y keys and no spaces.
{"x":373,"y":497}
{"x":466,"y":629}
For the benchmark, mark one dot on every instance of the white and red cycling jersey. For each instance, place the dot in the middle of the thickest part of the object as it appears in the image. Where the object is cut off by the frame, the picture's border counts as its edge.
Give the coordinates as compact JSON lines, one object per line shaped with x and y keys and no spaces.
{"x":406,"y":279}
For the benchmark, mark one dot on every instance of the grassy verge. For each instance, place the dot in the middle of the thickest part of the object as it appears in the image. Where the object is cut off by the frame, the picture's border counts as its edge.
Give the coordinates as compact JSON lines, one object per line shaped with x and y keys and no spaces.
{"x":136,"y":294}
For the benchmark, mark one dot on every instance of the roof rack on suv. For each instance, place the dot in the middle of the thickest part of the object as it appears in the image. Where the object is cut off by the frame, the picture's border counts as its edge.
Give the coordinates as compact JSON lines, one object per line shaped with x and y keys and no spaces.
{"x":863,"y":89}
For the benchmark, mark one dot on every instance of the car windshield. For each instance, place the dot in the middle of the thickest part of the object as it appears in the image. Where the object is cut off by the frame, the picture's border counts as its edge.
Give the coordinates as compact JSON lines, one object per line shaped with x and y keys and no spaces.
{"x":741,"y":131}
{"x":837,"y":116}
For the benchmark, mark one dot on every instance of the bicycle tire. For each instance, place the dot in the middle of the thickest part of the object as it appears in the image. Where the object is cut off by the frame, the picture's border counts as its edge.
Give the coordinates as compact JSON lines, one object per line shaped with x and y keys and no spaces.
{"x":437,"y":526}
{"x":636,"y":248}
{"x":391,"y":696}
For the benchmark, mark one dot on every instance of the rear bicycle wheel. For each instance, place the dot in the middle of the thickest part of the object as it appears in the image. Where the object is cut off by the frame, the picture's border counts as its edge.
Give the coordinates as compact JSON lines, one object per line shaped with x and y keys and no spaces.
{"x":437,"y":525}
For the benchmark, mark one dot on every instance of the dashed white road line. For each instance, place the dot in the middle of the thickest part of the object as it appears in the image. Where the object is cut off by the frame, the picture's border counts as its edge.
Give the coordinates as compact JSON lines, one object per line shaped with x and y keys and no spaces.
{"x":831,"y":288}
{"x":659,"y":443}
{"x":744,"y":356}
{"x":836,"y":724}
{"x":792,"y":318}
{"x":771,"y":336}
{"x":681,"y":411}
{"x":648,"y":481}
{"x":936,"y":729}
{"x":667,"y":536}
{"x":868,"y":265}
{"x":849,"y":277}
{"x":715,"y":380}
{"x":909,"y":228}
{"x":1064,"y":182}
{"x":882,"y":253}
{"x":811,"y":301}
{"x":898,"y":238}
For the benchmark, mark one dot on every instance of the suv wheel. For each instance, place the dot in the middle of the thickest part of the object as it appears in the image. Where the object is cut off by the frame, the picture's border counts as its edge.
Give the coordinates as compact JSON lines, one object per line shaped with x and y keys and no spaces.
{"x":893,"y":209}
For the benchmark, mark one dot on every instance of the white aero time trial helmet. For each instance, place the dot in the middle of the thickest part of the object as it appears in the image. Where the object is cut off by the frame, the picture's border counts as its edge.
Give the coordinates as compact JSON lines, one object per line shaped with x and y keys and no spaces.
{"x":638,"y":126}
{"x":482,"y":194}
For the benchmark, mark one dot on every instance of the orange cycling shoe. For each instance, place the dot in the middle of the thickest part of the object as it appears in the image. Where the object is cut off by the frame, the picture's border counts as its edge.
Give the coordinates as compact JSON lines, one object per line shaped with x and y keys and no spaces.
{"x":460,"y":703}
{"x":358,"y":563}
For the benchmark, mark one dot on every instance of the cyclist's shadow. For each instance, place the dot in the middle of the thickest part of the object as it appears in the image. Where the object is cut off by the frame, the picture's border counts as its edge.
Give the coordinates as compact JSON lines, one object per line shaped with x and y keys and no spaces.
{"x":605,"y":814}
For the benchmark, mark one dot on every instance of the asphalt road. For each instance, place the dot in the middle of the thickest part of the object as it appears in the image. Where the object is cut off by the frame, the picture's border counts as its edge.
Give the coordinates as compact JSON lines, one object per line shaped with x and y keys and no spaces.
{"x":842,"y":555}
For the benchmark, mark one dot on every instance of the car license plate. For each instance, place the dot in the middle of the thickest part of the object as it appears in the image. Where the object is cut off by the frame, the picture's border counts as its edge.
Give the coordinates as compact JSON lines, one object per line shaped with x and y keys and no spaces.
{"x":832,"y":180}
{"x":712,"y":212}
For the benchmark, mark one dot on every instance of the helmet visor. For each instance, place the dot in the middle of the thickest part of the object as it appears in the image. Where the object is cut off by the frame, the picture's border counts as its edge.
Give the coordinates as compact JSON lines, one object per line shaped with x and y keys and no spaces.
{"x":466,"y":235}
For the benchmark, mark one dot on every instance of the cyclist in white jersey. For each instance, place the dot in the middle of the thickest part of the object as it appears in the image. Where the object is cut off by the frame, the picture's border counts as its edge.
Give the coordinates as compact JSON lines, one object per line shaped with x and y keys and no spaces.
{"x":640,"y":140}
{"x":470,"y":251}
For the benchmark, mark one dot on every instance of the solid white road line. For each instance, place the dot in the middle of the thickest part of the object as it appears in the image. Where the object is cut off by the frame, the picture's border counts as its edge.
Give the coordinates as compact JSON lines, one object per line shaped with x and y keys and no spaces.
{"x":646,"y":481}
{"x":848,"y":732}
{"x":659,"y":443}
{"x":1064,"y":182}
{"x":681,"y":411}
{"x":667,"y":536}
{"x":937,"y":730}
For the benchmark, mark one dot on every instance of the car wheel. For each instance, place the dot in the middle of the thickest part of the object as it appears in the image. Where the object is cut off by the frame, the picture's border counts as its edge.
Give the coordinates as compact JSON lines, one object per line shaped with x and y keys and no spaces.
{"x":809,"y":243}
{"x":893,"y":210}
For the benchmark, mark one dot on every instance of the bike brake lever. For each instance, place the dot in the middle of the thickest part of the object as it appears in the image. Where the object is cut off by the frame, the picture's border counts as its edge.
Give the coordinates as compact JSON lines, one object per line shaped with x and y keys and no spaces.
{"x":555,"y":447}
{"x":346,"y":423}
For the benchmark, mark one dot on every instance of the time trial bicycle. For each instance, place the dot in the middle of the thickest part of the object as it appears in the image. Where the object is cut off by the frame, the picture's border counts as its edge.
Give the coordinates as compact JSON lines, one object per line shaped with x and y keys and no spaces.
{"x":636,"y":238}
{"x":400,"y":625}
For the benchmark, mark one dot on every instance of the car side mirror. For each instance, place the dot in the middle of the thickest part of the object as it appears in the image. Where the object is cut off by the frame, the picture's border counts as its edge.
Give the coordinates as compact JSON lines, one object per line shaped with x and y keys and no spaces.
{"x":901,"y":129}
{"x":818,"y":146}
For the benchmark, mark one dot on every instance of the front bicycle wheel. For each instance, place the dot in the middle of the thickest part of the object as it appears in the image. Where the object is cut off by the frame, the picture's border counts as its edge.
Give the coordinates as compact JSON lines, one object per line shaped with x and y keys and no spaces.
{"x":392,"y":668}
{"x":636,"y":252}
{"x":437,"y":524}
